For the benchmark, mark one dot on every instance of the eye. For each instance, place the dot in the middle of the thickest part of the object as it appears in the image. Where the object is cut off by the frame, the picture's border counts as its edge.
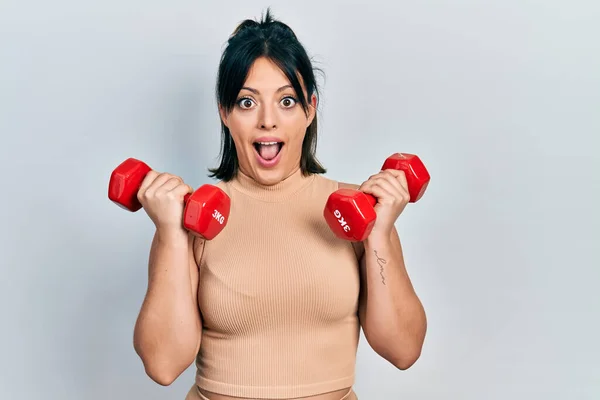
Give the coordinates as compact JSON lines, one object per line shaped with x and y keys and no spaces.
{"x":288,"y":102}
{"x":245,"y":103}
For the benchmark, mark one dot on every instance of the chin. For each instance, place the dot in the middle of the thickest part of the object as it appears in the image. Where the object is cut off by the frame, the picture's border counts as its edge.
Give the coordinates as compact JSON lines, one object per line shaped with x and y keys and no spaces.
{"x":269,"y":176}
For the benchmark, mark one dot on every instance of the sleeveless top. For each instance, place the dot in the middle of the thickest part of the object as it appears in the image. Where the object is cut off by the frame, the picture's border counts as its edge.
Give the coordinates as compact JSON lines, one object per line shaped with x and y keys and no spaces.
{"x":278,"y":293}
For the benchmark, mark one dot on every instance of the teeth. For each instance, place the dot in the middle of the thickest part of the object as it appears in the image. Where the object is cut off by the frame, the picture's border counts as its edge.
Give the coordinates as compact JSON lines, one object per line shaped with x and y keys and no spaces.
{"x":266,"y":143}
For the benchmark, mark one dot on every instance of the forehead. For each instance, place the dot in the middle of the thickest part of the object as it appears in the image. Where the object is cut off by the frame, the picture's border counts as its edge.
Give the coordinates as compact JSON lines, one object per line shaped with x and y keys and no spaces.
{"x":265,"y":75}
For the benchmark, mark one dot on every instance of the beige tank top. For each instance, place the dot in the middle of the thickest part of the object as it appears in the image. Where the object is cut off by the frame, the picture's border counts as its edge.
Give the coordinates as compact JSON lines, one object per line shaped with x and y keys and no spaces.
{"x":278,"y":293}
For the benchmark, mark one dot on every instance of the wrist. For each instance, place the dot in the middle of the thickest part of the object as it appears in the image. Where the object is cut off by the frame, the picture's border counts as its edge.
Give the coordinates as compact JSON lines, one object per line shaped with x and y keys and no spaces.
{"x":172,"y":235}
{"x":377,"y":239}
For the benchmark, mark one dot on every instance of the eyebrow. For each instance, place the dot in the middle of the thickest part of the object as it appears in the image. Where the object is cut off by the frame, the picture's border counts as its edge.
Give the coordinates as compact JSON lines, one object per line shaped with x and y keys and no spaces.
{"x":257,"y":92}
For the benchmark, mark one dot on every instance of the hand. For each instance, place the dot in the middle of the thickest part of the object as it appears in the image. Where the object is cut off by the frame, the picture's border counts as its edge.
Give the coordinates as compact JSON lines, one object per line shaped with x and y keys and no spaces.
{"x":390,"y":189}
{"x":161,"y":195}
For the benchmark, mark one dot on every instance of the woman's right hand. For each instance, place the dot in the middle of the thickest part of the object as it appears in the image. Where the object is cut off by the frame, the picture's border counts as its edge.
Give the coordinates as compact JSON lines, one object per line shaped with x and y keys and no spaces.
{"x":161,"y":195}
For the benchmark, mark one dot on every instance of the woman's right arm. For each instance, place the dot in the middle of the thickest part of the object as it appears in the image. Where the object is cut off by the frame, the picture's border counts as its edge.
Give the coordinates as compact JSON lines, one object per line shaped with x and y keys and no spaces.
{"x":168,"y":330}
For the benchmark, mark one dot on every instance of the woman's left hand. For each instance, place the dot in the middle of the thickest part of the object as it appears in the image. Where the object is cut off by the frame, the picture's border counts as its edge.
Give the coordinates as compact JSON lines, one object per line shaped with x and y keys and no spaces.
{"x":390,"y":189}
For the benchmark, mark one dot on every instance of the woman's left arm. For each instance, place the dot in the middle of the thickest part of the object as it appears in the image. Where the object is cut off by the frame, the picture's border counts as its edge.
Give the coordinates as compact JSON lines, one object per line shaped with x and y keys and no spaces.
{"x":391,"y":315}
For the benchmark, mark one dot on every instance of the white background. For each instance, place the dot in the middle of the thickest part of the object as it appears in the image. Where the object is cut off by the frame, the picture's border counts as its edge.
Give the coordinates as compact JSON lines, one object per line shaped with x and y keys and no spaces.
{"x":500,"y":99}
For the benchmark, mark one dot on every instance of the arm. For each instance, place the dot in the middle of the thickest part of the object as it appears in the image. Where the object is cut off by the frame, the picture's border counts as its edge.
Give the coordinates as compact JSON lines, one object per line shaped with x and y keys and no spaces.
{"x":391,"y":315}
{"x":168,"y":329}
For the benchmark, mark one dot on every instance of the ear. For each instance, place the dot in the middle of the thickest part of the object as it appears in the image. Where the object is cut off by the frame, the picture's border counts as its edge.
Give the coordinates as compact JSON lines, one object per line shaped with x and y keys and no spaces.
{"x":223,"y":115}
{"x":312,"y":109}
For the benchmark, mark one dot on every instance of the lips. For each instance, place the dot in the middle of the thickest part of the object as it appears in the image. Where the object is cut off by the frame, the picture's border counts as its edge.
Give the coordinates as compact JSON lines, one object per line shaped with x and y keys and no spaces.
{"x":268,"y":151}
{"x":268,"y":147}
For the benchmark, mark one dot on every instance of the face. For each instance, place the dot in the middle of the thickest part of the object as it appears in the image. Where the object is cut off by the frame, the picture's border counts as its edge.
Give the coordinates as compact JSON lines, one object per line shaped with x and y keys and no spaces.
{"x":268,"y":124}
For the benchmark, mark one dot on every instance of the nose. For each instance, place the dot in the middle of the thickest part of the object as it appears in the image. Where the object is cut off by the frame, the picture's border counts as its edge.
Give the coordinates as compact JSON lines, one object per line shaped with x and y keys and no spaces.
{"x":267,"y":118}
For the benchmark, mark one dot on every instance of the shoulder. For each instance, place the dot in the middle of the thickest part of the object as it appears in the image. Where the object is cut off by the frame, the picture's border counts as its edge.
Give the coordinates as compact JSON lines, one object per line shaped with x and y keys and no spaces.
{"x":221,"y":184}
{"x":346,"y":185}
{"x":225,"y":186}
{"x":335,"y":184}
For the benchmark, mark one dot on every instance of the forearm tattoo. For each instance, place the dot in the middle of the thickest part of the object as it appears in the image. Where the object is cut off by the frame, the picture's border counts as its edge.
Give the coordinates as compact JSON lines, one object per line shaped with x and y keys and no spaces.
{"x":381,"y":262}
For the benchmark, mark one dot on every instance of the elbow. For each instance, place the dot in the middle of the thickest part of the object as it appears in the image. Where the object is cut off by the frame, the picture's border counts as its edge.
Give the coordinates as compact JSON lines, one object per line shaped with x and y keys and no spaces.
{"x":164,"y":372}
{"x":405,"y":357}
{"x":162,"y":376}
{"x":165,"y":363}
{"x":161,"y":370}
{"x":400,"y":358}
{"x":401,"y":354}
{"x":407,"y":360}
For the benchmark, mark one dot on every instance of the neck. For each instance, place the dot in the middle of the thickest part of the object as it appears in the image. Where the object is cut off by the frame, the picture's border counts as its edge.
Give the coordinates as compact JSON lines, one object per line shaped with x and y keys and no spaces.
{"x":282,"y":190}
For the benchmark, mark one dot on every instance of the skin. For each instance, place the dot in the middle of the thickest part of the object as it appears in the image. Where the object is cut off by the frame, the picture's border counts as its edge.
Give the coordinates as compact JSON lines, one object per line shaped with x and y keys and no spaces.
{"x":391,"y":314}
{"x":268,"y":107}
{"x":168,"y":330}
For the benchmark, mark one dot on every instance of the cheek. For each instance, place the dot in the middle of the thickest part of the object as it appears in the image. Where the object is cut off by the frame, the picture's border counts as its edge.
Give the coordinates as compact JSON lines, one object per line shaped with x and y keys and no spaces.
{"x":296,"y":124}
{"x":240,"y":128}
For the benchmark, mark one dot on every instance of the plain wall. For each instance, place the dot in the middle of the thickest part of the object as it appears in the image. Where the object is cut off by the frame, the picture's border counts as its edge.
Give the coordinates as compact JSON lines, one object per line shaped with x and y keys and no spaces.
{"x":500,"y":99}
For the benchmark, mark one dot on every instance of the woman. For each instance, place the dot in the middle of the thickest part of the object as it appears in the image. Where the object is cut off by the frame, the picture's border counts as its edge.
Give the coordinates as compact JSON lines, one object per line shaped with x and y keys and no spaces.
{"x":272,"y":307}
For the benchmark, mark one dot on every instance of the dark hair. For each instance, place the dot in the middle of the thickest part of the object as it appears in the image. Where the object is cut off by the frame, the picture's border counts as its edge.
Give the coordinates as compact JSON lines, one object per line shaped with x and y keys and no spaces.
{"x":276,"y":41}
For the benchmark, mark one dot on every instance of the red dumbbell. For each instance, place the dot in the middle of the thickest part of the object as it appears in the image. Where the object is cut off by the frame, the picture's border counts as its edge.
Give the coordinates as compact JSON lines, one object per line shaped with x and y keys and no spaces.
{"x":206,"y":210}
{"x":350,"y":213}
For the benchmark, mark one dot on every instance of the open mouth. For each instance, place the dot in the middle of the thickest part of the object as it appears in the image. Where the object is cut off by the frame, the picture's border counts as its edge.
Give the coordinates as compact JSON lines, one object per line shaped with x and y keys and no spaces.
{"x":268,"y":150}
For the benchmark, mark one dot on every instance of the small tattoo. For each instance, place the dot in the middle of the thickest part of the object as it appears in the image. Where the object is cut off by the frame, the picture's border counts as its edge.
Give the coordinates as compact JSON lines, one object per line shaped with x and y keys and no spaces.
{"x":381,"y":263}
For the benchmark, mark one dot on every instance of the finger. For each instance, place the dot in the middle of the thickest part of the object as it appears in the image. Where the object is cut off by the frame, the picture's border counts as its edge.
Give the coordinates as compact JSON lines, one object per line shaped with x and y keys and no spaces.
{"x":368,"y":184}
{"x":398,"y":180}
{"x":168,"y":185}
{"x":370,"y":179}
{"x":381,"y":193}
{"x":398,"y":175}
{"x":147,"y":181}
{"x":160,"y":181}
{"x":389,"y":179}
{"x":393,"y":188}
{"x":181,"y":190}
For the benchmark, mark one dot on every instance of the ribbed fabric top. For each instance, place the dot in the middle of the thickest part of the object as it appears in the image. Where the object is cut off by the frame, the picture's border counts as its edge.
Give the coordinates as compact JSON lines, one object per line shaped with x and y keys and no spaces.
{"x":278,"y":294}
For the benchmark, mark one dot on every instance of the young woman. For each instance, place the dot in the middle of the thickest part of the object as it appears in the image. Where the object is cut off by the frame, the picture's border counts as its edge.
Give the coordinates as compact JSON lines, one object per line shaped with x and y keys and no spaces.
{"x":272,"y":307}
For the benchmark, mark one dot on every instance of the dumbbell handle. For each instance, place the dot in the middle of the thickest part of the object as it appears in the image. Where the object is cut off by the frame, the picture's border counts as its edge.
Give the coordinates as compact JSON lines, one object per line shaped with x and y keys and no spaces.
{"x":414,"y":173}
{"x":372,"y":200}
{"x":139,"y":185}
{"x":124,"y":186}
{"x":206,"y":210}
